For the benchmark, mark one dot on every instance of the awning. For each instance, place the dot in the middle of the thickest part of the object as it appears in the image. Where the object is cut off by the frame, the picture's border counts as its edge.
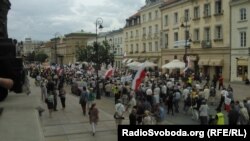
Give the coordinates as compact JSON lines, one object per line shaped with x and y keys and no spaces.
{"x":242,"y":62}
{"x":124,"y":60}
{"x":216,"y":62}
{"x":141,"y":59}
{"x":203,"y":62}
{"x":155,"y":60}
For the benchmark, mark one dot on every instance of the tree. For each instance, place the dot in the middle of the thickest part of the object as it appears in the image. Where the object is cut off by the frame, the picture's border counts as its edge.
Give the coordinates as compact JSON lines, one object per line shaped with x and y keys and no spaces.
{"x":41,"y":57}
{"x":89,"y":54}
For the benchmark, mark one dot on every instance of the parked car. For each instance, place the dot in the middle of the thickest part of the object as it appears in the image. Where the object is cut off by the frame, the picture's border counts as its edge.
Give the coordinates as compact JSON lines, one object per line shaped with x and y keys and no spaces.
{"x":76,"y":87}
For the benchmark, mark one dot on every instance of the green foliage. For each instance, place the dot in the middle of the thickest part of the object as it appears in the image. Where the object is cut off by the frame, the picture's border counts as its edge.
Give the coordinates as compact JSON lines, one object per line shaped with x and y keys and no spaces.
{"x":89,"y":54}
{"x":41,"y":57}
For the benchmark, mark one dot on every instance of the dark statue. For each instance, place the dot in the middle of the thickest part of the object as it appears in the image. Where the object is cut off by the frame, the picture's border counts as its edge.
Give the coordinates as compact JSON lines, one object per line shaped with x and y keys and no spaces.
{"x":4,"y":8}
{"x":10,"y":66}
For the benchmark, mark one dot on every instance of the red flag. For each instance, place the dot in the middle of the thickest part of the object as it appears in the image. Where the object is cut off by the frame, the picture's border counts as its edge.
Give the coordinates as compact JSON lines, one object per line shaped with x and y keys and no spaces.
{"x":109,"y":73}
{"x":140,"y":75}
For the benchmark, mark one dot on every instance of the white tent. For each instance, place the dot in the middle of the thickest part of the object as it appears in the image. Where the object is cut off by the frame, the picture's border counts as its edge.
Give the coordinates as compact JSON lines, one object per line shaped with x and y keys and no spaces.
{"x":174,"y":64}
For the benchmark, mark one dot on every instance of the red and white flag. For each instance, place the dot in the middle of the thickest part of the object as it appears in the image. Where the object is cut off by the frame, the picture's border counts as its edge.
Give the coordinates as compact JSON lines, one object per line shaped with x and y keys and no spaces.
{"x":109,"y":73}
{"x":140,"y":75}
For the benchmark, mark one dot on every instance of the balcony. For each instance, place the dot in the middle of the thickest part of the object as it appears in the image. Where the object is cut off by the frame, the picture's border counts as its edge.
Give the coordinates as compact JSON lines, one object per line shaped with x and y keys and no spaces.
{"x":137,"y":51}
{"x":131,"y":52}
{"x":206,"y":44}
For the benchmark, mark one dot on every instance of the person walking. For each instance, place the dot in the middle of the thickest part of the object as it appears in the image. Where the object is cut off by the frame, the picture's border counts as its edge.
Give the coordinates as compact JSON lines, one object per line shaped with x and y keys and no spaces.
{"x":50,"y":103}
{"x":52,"y":91}
{"x":119,"y":111}
{"x":93,"y":117}
{"x":204,"y":109}
{"x":62,"y":95}
{"x":83,"y":100}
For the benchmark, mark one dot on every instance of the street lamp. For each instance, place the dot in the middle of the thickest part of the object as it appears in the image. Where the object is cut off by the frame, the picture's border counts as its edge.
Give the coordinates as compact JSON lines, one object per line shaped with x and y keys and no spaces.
{"x":113,"y":52}
{"x":187,"y":39}
{"x":98,"y":25}
{"x":56,"y":35}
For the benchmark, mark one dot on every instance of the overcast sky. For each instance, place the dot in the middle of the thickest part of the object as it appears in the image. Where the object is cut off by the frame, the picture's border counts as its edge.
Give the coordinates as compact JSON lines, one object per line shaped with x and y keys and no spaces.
{"x":41,"y":19}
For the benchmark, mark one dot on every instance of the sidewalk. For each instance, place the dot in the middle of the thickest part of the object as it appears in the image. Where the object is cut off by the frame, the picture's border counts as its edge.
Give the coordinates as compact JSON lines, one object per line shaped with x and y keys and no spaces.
{"x":71,"y":125}
{"x":19,"y":120}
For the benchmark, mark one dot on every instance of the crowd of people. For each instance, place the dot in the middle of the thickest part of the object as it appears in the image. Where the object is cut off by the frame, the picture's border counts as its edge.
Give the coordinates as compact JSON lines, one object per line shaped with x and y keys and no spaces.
{"x":157,"y":96}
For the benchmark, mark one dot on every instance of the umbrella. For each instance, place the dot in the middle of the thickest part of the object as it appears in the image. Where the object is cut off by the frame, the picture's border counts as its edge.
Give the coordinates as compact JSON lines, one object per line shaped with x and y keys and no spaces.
{"x":134,"y":65}
{"x":174,"y":64}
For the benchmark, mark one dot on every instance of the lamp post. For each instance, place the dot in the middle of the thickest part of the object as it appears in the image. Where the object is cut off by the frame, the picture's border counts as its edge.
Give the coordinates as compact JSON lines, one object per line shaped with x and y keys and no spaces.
{"x":187,"y":38}
{"x":98,"y":22}
{"x":112,"y":51}
{"x":56,"y":35}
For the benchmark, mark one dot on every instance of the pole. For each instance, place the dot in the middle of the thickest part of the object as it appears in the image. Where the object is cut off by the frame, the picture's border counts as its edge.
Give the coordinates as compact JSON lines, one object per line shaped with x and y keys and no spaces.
{"x":185,"y":42}
{"x":98,"y":22}
{"x":55,"y":50}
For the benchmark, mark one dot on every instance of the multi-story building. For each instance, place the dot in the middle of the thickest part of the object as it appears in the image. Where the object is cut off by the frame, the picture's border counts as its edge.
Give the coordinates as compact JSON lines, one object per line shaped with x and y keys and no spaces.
{"x":115,"y":40}
{"x":240,"y":31}
{"x":142,"y":33}
{"x":199,"y":29}
{"x":72,"y":42}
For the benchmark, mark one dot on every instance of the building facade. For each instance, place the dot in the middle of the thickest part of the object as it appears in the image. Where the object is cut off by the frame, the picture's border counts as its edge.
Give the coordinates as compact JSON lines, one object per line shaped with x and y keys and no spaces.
{"x":142,"y":33}
{"x":240,"y":31}
{"x":199,"y":29}
{"x":73,"y":41}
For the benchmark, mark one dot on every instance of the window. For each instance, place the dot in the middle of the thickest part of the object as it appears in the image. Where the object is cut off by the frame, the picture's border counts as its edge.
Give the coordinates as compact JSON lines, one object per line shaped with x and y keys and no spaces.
{"x":218,"y":6}
{"x":166,"y":40}
{"x":243,"y":14}
{"x":137,"y":48}
{"x":207,"y":11}
{"x":243,"y":39}
{"x":156,"y":46}
{"x":218,"y":32}
{"x":144,"y":31}
{"x":207,"y":34}
{"x":131,"y":48}
{"x":186,"y":13}
{"x":156,"y":28}
{"x":166,"y":20}
{"x":156,"y":14}
{"x":131,"y":32}
{"x":196,"y":12}
{"x":196,"y":35}
{"x":149,"y":46}
{"x":136,"y":33}
{"x":126,"y":34}
{"x":149,"y":29}
{"x":144,"y":47}
{"x":176,"y":39}
{"x":176,"y":18}
{"x":149,"y":16}
{"x":143,"y":18}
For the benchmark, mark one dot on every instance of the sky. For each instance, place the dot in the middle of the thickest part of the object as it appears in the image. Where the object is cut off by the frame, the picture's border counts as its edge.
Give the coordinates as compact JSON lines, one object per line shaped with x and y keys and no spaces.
{"x":43,"y":19}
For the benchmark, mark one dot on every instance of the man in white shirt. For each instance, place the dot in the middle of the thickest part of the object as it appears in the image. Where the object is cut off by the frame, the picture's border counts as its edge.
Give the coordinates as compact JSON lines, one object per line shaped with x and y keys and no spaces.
{"x":119,"y":110}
